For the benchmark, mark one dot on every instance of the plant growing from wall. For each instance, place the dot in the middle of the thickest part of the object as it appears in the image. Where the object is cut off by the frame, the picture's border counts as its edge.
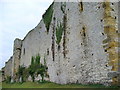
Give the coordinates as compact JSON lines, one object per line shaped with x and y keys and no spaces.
{"x":59,"y":32}
{"x":47,"y":17}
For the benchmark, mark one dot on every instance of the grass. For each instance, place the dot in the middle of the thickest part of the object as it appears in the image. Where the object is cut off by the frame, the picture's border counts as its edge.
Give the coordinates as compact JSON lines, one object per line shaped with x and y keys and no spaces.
{"x":0,"y":85}
{"x":49,"y":85}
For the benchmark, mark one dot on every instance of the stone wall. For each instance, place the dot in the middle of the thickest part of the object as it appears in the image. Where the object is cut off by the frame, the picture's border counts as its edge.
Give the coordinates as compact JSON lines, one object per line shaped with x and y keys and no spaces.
{"x":81,"y":53}
{"x":16,"y":57}
{"x":0,"y":76}
{"x":3,"y":73}
{"x":8,"y":68}
{"x":78,"y":40}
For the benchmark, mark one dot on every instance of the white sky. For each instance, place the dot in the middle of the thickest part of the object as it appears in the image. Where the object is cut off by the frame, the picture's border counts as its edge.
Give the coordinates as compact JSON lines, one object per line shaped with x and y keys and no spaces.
{"x":17,"y":18}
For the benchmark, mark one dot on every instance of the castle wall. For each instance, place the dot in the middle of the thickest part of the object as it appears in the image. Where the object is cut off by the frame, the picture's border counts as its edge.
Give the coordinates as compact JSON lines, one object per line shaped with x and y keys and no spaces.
{"x":16,"y":57}
{"x":85,"y":52}
{"x":8,"y":68}
{"x":3,"y":73}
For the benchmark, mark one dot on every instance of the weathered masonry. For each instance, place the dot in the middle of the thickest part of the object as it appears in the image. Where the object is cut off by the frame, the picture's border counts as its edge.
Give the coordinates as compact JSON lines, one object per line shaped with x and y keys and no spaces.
{"x":78,"y":40}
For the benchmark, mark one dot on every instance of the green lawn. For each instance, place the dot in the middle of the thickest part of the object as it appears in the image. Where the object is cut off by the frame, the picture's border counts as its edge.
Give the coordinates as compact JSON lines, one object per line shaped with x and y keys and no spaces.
{"x":49,"y":85}
{"x":0,"y":85}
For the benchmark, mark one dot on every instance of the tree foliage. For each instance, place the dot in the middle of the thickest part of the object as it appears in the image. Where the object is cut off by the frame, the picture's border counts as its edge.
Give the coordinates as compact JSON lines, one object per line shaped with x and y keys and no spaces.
{"x":37,"y":68}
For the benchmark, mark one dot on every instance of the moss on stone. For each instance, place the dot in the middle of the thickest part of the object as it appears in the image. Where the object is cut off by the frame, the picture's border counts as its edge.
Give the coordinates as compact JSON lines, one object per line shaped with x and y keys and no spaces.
{"x":59,"y":31}
{"x":47,"y":17}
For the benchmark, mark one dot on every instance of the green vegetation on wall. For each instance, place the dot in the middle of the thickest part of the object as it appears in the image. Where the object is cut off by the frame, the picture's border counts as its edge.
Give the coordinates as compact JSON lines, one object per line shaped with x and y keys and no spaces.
{"x":59,"y":32}
{"x":47,"y":17}
{"x":37,"y":68}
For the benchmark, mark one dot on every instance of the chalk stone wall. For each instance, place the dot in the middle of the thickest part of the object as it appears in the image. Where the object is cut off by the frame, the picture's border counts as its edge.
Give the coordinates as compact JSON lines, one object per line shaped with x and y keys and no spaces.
{"x":8,"y":68}
{"x":80,"y":56}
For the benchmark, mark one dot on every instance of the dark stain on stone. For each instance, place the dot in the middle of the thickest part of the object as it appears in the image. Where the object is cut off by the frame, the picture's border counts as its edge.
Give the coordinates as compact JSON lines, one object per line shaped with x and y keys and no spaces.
{"x":48,"y":51}
{"x":112,"y":9}
{"x":57,"y":74}
{"x":117,"y":31}
{"x":64,"y":37}
{"x":53,"y":40}
{"x":84,"y":38}
{"x":74,"y":66}
{"x":81,"y":6}
{"x":99,"y":7}
{"x":58,"y":47}
{"x":24,"y":51}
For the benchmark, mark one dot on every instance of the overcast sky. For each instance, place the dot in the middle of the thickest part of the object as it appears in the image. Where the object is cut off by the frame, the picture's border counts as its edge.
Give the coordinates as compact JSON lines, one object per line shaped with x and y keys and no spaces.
{"x":17,"y":18}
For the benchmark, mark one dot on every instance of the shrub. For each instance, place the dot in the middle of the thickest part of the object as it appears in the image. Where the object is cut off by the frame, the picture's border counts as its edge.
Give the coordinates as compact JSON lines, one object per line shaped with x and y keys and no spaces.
{"x":8,"y":79}
{"x":37,"y":68}
{"x":23,"y":73}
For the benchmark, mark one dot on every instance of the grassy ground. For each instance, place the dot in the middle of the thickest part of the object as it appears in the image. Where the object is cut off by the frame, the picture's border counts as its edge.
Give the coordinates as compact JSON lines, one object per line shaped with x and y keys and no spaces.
{"x":49,"y":85}
{"x":0,"y":85}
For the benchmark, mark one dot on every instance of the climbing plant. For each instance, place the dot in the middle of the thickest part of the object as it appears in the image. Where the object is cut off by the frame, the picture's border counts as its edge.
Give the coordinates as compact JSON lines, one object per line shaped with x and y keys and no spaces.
{"x":47,"y":17}
{"x":59,"y":31}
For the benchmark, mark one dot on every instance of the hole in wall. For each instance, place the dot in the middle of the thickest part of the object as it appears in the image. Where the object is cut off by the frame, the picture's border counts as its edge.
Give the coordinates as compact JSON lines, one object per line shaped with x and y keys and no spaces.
{"x":99,"y":7}
{"x":112,"y":9}
{"x":103,"y":34}
{"x":106,"y":65}
{"x":73,"y":65}
{"x":101,"y":20}
{"x":105,"y":50}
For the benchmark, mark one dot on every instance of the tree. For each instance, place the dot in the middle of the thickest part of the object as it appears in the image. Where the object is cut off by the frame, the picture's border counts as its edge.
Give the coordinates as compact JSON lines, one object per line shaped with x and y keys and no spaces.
{"x":21,"y":73}
{"x":37,"y":68}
